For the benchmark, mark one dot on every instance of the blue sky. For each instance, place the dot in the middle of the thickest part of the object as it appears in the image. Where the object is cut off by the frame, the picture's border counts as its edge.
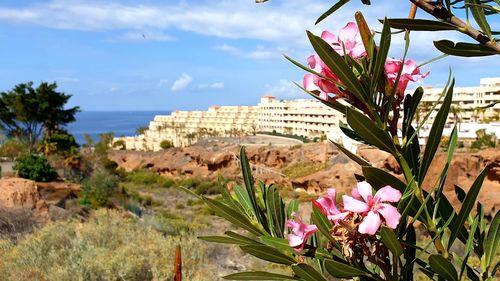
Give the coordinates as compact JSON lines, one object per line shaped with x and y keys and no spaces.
{"x":189,"y":54}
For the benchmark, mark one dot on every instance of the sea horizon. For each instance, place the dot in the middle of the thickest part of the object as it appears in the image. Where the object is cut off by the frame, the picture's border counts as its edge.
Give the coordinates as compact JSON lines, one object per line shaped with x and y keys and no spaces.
{"x":119,"y":122}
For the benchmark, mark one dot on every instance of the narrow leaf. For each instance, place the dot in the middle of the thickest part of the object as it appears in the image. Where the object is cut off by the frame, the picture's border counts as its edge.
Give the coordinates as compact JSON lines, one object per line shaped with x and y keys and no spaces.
{"x":351,"y":155}
{"x":385,"y":43}
{"x":493,"y":240}
{"x":461,"y":49}
{"x":436,"y":131}
{"x":478,"y":14}
{"x":369,"y":131}
{"x":223,"y":240}
{"x":268,"y":254}
{"x":337,"y":65}
{"x":330,"y":11}
{"x":231,"y":215}
{"x":342,"y":270}
{"x":258,"y":275}
{"x":307,"y":272}
{"x":443,"y":267}
{"x":324,"y":225}
{"x":391,"y":241}
{"x":420,"y":24}
{"x":469,"y":202}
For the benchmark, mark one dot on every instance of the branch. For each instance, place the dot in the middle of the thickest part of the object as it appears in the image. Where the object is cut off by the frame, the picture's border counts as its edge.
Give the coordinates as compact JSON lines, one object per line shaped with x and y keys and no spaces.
{"x":442,"y":13}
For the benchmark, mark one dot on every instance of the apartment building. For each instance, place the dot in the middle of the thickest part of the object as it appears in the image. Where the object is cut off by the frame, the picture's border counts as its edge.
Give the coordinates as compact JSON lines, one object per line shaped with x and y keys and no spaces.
{"x":307,"y":117}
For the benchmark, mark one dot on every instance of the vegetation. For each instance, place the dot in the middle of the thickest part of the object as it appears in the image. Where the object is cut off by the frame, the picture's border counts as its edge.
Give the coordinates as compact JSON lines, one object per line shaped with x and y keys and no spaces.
{"x":303,"y":168}
{"x":13,"y":148}
{"x":97,"y":190}
{"x":35,"y":167}
{"x":110,"y":246}
{"x":484,"y":140}
{"x":166,"y":144}
{"x":27,"y":112}
{"x":120,"y":144}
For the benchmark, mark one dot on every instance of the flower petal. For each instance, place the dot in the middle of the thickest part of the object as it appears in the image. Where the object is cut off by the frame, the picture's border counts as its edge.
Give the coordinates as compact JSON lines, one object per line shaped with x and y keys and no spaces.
{"x":390,"y":214}
{"x":353,"y":205}
{"x":308,"y":82}
{"x":294,"y":240}
{"x":365,"y":190}
{"x":370,"y":223}
{"x":348,"y":32}
{"x":329,"y":37}
{"x":388,"y":194}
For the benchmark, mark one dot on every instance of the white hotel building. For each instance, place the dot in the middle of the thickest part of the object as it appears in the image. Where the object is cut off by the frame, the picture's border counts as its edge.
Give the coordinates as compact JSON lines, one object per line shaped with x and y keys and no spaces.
{"x":306,"y":117}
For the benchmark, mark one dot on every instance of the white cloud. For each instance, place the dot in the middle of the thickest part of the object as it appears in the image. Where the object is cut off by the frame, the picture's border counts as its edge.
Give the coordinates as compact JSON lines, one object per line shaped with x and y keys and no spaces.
{"x":215,"y":85}
{"x":259,"y":53}
{"x":285,"y":89}
{"x":181,"y":83}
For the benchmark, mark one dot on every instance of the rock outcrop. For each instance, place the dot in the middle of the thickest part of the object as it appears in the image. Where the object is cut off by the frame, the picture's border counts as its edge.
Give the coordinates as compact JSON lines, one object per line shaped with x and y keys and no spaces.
{"x":268,"y":163}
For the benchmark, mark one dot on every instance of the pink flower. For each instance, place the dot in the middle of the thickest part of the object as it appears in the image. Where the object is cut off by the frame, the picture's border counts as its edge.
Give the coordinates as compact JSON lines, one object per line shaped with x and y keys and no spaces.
{"x":324,"y":86}
{"x":349,"y":40}
{"x":371,"y":207}
{"x":410,"y":73}
{"x":327,"y":205}
{"x":300,"y":232}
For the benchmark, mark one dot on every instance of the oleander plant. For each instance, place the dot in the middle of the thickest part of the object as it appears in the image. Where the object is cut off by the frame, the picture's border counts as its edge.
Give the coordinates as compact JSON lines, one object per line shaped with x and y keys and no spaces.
{"x":371,"y":233}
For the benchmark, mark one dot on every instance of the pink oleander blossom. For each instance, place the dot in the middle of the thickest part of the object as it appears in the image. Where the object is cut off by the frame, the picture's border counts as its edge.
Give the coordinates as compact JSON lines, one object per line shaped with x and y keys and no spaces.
{"x":324,"y":86}
{"x":372,"y":207}
{"x":348,"y":42}
{"x":328,"y":206}
{"x":300,"y":232}
{"x":410,"y":73}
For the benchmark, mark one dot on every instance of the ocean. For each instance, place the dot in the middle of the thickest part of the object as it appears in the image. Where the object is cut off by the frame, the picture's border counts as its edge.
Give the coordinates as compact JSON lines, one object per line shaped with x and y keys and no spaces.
{"x":121,"y":123}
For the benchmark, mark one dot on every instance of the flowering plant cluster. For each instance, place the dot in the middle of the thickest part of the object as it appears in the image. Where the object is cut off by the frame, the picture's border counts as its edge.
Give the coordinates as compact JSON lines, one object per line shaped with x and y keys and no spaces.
{"x":370,"y":234}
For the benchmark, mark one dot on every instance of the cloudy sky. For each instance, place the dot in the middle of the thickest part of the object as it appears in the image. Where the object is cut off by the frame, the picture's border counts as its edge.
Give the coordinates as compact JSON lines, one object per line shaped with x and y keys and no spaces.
{"x":187,"y":54}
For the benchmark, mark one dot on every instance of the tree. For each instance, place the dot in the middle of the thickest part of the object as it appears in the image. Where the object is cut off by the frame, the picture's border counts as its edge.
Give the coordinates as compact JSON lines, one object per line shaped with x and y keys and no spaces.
{"x":27,"y":112}
{"x":141,"y":130}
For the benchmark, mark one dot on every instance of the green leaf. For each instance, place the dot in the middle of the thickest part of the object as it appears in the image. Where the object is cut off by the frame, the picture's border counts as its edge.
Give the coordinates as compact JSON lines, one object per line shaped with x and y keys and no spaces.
{"x":411,"y":103}
{"x":324,"y":225}
{"x":330,"y":11}
{"x":244,"y":200}
{"x":275,"y":212}
{"x":351,"y":155}
{"x":367,"y":130}
{"x":258,"y":275}
{"x":240,"y":237}
{"x":460,"y":193}
{"x":420,"y":24}
{"x":379,"y":178}
{"x":268,"y":254}
{"x":469,"y":202}
{"x":391,"y":241}
{"x":293,"y":206}
{"x":249,"y":184}
{"x":443,"y":267}
{"x":478,"y":14}
{"x":461,"y":49}
{"x":337,"y":65}
{"x":223,"y":240}
{"x":385,"y":43}
{"x":365,"y":34}
{"x":342,"y":270}
{"x":307,"y":272}
{"x":435,"y":134}
{"x":412,"y":153}
{"x":492,"y":240}
{"x":409,"y":254}
{"x":452,"y":145}
{"x":232,"y":215}
{"x":279,"y":243}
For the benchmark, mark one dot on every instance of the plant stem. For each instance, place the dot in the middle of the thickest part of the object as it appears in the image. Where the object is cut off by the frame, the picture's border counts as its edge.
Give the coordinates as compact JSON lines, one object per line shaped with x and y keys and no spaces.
{"x":429,"y":223}
{"x":440,"y":12}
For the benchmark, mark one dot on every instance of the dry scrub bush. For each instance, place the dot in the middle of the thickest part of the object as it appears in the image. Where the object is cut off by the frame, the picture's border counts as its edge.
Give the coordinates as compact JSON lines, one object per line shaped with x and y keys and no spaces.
{"x":108,"y":247}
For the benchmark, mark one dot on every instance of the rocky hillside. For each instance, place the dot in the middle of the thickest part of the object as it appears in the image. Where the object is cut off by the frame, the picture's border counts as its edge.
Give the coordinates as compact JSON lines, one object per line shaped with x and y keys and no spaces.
{"x":276,"y":164}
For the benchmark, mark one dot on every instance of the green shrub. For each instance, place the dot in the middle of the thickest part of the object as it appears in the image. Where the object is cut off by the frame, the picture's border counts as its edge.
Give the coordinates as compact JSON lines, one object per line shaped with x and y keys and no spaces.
{"x":146,"y":177}
{"x":35,"y":167}
{"x":165,"y":144}
{"x":108,"y":247}
{"x":98,"y":188}
{"x":60,"y":142}
{"x":484,"y":140}
{"x":120,"y":144}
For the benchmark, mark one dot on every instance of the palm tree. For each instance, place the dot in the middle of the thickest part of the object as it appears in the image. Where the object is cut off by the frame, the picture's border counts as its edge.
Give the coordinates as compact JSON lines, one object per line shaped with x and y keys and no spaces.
{"x":456,"y":111}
